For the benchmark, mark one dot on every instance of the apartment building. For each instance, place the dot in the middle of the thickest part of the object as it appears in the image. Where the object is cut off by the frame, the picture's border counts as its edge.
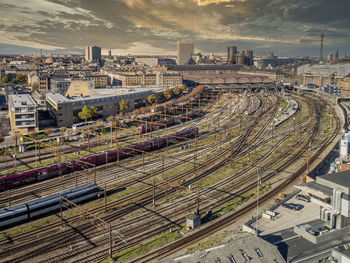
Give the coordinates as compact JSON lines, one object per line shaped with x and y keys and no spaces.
{"x":23,"y":113}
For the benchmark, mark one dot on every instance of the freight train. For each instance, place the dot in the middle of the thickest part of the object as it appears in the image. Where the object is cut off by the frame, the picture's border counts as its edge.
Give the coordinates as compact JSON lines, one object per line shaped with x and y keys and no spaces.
{"x":168,"y":122}
{"x":42,"y":173}
{"x":23,"y":212}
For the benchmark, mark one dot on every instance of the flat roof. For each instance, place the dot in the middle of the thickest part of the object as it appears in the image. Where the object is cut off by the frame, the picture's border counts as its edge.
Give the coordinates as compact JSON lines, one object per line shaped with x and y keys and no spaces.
{"x":341,"y":178}
{"x":248,"y":249}
{"x":296,"y":248}
{"x":21,"y":100}
{"x":315,"y":188}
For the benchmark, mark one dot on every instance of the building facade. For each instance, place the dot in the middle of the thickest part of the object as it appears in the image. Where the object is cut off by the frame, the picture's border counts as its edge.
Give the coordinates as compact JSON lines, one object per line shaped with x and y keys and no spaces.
{"x":23,"y":113}
{"x":184,"y":52}
{"x":231,"y":52}
{"x":99,"y":80}
{"x":93,"y":53}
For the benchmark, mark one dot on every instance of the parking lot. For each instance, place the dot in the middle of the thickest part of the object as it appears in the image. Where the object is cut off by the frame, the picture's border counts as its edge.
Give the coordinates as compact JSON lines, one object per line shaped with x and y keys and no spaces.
{"x":287,"y":218}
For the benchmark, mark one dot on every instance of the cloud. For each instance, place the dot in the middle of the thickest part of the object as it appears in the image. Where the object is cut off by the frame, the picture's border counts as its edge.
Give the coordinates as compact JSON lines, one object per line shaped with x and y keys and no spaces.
{"x":156,"y":25}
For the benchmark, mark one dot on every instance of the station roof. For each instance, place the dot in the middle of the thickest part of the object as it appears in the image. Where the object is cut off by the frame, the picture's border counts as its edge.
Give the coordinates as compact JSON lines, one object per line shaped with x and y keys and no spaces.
{"x":317,"y":189}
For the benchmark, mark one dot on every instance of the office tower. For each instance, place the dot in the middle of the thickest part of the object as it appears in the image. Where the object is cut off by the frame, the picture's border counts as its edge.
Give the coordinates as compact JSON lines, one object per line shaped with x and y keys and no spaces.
{"x":231,"y":54}
{"x":184,"y":52}
{"x":248,"y":57}
{"x":321,"y":48}
{"x":92,"y":53}
{"x":109,"y":53}
{"x":240,"y":59}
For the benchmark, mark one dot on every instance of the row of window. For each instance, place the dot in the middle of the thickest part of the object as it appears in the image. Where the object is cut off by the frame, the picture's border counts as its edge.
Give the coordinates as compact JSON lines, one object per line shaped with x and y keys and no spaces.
{"x":24,"y":116}
{"x":24,"y":123}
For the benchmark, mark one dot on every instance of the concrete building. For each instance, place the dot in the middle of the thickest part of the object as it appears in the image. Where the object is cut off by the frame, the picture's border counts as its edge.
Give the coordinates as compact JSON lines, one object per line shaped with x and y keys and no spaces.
{"x":60,"y":85}
{"x":250,"y":249}
{"x":231,"y":52}
{"x":78,"y":88}
{"x":248,"y":57}
{"x":93,"y":53}
{"x":150,"y":61}
{"x":325,"y":239}
{"x":167,"y":80}
{"x":240,"y":59}
{"x":99,"y":80}
{"x":184,"y":52}
{"x":106,"y":102}
{"x":23,"y":113}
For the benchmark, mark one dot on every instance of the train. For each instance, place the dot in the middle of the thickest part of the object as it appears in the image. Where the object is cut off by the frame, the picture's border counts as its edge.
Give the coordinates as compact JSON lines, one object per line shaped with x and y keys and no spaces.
{"x":24,"y":212}
{"x":49,"y":171}
{"x":168,"y":122}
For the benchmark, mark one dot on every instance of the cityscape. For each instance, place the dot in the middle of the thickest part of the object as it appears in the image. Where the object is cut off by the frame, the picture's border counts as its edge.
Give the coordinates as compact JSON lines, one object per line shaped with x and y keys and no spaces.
{"x":175,"y":131}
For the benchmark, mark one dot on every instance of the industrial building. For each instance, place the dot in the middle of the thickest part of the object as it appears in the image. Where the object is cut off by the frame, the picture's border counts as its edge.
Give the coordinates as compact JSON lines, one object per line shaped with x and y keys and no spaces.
{"x":106,"y":101}
{"x":247,"y":249}
{"x":184,"y":52}
{"x":325,"y":239}
{"x":23,"y":113}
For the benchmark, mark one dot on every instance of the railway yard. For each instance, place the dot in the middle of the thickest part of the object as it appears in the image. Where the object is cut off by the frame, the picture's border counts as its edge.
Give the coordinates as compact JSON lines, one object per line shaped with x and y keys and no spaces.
{"x":214,"y":156}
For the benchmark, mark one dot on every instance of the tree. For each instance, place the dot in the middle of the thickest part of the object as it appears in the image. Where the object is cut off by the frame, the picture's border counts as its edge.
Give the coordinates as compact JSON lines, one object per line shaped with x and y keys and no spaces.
{"x":5,"y":79}
{"x":87,"y":113}
{"x":48,"y":131}
{"x":151,"y":99}
{"x":176,"y":91}
{"x":183,"y":87}
{"x":123,"y":105}
{"x":136,"y":112}
{"x":20,"y":79}
{"x":110,"y":119}
{"x":2,"y":138}
{"x":167,"y":94}
{"x":32,"y":134}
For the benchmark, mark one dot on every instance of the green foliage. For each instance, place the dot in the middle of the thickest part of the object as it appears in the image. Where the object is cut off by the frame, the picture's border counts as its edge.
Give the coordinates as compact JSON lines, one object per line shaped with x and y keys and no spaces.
{"x":177,"y":91}
{"x":5,"y":79}
{"x":167,"y":94}
{"x":123,"y":105}
{"x":151,"y":99}
{"x":87,"y":113}
{"x":20,"y":79}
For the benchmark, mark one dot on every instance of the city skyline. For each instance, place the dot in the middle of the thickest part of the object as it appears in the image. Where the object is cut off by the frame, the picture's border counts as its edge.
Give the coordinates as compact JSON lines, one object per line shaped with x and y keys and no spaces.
{"x":154,"y":26}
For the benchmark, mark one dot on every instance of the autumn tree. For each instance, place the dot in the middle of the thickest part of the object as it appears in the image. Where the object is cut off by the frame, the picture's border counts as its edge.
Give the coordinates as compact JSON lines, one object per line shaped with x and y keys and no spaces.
{"x":123,"y":105}
{"x":2,"y":138}
{"x":48,"y":131}
{"x":176,"y":91}
{"x":167,"y":94}
{"x":151,"y":99}
{"x":5,"y":79}
{"x":136,"y":112}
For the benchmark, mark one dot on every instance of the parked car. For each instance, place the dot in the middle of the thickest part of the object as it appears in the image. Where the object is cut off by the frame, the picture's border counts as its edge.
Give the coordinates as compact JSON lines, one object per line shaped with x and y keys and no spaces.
{"x":302,"y":198}
{"x":293,"y":206}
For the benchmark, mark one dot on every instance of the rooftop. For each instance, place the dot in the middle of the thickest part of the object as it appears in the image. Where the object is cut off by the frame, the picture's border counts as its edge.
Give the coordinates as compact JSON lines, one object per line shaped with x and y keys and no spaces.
{"x":341,"y":179}
{"x":21,"y":100}
{"x":250,"y":249}
{"x":296,"y":248}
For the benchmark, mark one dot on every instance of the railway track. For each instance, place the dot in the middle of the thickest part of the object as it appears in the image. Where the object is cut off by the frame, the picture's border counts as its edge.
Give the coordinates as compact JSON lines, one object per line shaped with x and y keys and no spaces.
{"x":243,"y":140}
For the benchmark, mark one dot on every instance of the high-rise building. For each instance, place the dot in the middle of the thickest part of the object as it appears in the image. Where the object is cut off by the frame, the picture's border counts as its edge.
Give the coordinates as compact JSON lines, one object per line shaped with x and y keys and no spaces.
{"x":92,"y":53}
{"x":184,"y":52}
{"x":109,"y":53}
{"x":248,"y":57}
{"x":240,"y":59}
{"x":231,"y":52}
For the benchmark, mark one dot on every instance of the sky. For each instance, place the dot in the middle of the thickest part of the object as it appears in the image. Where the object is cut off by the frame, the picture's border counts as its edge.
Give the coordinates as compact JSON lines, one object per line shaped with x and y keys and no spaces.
{"x":152,"y":27}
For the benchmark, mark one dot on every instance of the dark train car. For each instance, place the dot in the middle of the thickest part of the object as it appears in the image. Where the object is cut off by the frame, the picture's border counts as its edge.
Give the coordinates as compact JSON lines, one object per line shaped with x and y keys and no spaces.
{"x":19,"y":213}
